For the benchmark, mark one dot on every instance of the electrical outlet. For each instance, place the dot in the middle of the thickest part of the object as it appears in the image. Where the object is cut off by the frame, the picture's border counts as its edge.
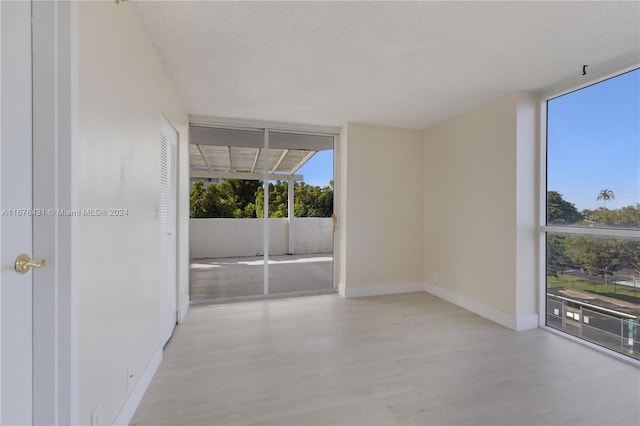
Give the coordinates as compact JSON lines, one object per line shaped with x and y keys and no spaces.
{"x":96,"y":416}
{"x":131,"y":378}
{"x":435,"y":278}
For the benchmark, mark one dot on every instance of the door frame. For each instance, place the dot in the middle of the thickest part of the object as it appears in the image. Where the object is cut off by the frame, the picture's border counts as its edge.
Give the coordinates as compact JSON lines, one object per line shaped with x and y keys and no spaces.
{"x":55,"y":147}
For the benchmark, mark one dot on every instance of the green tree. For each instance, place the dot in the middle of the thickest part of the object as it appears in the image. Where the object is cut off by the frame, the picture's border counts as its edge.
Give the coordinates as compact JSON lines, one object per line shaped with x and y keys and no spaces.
{"x":196,"y":198}
{"x":313,"y":201}
{"x":278,"y":200}
{"x":625,"y":216}
{"x":309,"y":201}
{"x":605,"y":195}
{"x":596,"y":256}
{"x":561,"y":211}
{"x":230,"y":198}
{"x":236,"y":198}
{"x":218,"y":202}
{"x":558,"y":260}
{"x":630,"y":251}
{"x":239,"y":195}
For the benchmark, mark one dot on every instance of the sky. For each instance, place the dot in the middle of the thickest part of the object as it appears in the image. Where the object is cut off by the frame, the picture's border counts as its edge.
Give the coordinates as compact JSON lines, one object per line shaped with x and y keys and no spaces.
{"x":318,"y":171}
{"x":593,"y":143}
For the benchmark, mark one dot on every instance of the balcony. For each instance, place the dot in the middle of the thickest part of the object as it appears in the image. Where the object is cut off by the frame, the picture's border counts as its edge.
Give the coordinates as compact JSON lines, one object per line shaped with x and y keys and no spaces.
{"x":227,"y":258}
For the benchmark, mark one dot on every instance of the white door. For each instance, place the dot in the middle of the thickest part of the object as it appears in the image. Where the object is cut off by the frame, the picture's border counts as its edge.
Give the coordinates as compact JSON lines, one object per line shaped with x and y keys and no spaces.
{"x":168,"y":188}
{"x":15,"y":223}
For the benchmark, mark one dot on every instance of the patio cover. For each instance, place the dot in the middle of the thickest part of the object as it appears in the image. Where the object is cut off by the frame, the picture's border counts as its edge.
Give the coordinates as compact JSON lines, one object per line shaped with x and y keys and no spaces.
{"x":216,"y":153}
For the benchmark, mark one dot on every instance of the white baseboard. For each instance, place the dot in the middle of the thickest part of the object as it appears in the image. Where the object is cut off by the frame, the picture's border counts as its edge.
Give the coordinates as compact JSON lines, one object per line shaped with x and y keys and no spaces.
{"x":135,"y":396}
{"x":515,"y":323}
{"x":184,"y":307}
{"x":342,"y":289}
{"x":527,"y":322}
{"x":380,"y":289}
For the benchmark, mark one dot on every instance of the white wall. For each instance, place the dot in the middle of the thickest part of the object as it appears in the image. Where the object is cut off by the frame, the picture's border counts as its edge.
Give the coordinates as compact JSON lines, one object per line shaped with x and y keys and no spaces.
{"x":527,"y":192}
{"x":122,"y":92}
{"x":340,"y":207}
{"x":313,"y":235}
{"x":381,"y":210}
{"x":244,"y":237}
{"x":479,"y":203}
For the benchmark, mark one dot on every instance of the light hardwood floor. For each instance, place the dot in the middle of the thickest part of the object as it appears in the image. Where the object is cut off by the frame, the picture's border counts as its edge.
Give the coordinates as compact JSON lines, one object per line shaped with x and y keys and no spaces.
{"x":408,"y":359}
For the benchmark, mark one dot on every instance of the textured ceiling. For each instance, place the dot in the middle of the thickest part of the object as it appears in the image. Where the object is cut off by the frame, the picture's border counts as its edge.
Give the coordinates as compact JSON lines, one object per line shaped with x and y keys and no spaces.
{"x":405,"y":64}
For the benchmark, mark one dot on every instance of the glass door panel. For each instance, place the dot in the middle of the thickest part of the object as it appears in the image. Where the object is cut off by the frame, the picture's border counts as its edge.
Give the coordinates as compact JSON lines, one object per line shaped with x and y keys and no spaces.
{"x":300,"y":210}
{"x":227,"y":238}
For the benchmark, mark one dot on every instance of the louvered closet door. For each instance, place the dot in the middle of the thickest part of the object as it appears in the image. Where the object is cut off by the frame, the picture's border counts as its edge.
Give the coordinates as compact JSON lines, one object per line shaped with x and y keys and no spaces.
{"x":168,"y":185}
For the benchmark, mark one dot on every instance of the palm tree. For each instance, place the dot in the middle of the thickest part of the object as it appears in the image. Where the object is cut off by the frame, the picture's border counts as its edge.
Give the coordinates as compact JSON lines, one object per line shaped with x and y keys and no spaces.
{"x":605,"y":195}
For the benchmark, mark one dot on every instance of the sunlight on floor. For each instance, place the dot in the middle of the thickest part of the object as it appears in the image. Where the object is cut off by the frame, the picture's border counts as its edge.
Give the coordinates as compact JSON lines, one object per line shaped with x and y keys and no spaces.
{"x":220,"y":278}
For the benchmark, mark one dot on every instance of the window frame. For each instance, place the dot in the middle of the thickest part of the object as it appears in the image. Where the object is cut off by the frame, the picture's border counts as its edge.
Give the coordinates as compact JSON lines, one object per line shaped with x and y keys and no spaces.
{"x":545,"y":96}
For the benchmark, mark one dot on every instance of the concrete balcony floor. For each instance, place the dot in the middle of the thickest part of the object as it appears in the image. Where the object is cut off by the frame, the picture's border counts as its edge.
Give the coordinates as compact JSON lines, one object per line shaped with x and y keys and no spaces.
{"x":234,"y":277}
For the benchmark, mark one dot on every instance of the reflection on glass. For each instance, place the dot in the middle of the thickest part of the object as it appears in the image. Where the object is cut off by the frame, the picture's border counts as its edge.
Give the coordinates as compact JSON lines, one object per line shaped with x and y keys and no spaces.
{"x":593,"y":289}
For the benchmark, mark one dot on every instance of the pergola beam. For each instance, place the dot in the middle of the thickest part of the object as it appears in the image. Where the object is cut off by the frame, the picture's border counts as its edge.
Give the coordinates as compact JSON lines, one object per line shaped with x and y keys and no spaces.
{"x":204,"y":157}
{"x":230,"y":159}
{"x":255,"y":160}
{"x":204,"y":174}
{"x":282,"y":156}
{"x":304,"y":160}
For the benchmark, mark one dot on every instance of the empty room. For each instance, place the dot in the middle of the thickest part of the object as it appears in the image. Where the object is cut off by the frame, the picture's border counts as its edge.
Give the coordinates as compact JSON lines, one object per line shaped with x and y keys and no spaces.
{"x":320,"y":213}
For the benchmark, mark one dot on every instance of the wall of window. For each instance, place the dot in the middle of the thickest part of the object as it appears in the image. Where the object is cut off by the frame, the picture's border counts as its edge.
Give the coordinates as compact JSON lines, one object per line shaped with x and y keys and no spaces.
{"x":592,"y":224}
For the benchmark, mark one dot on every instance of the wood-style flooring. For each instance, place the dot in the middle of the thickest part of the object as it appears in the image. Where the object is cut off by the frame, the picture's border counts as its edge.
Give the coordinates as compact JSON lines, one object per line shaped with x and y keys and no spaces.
{"x":408,"y":359}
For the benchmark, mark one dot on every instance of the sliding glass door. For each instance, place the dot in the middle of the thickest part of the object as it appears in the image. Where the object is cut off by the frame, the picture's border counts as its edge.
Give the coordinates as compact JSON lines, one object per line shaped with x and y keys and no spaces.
{"x":257,"y":228}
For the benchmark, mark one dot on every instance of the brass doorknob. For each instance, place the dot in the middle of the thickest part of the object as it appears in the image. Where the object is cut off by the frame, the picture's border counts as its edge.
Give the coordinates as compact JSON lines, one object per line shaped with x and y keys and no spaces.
{"x":24,"y":263}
